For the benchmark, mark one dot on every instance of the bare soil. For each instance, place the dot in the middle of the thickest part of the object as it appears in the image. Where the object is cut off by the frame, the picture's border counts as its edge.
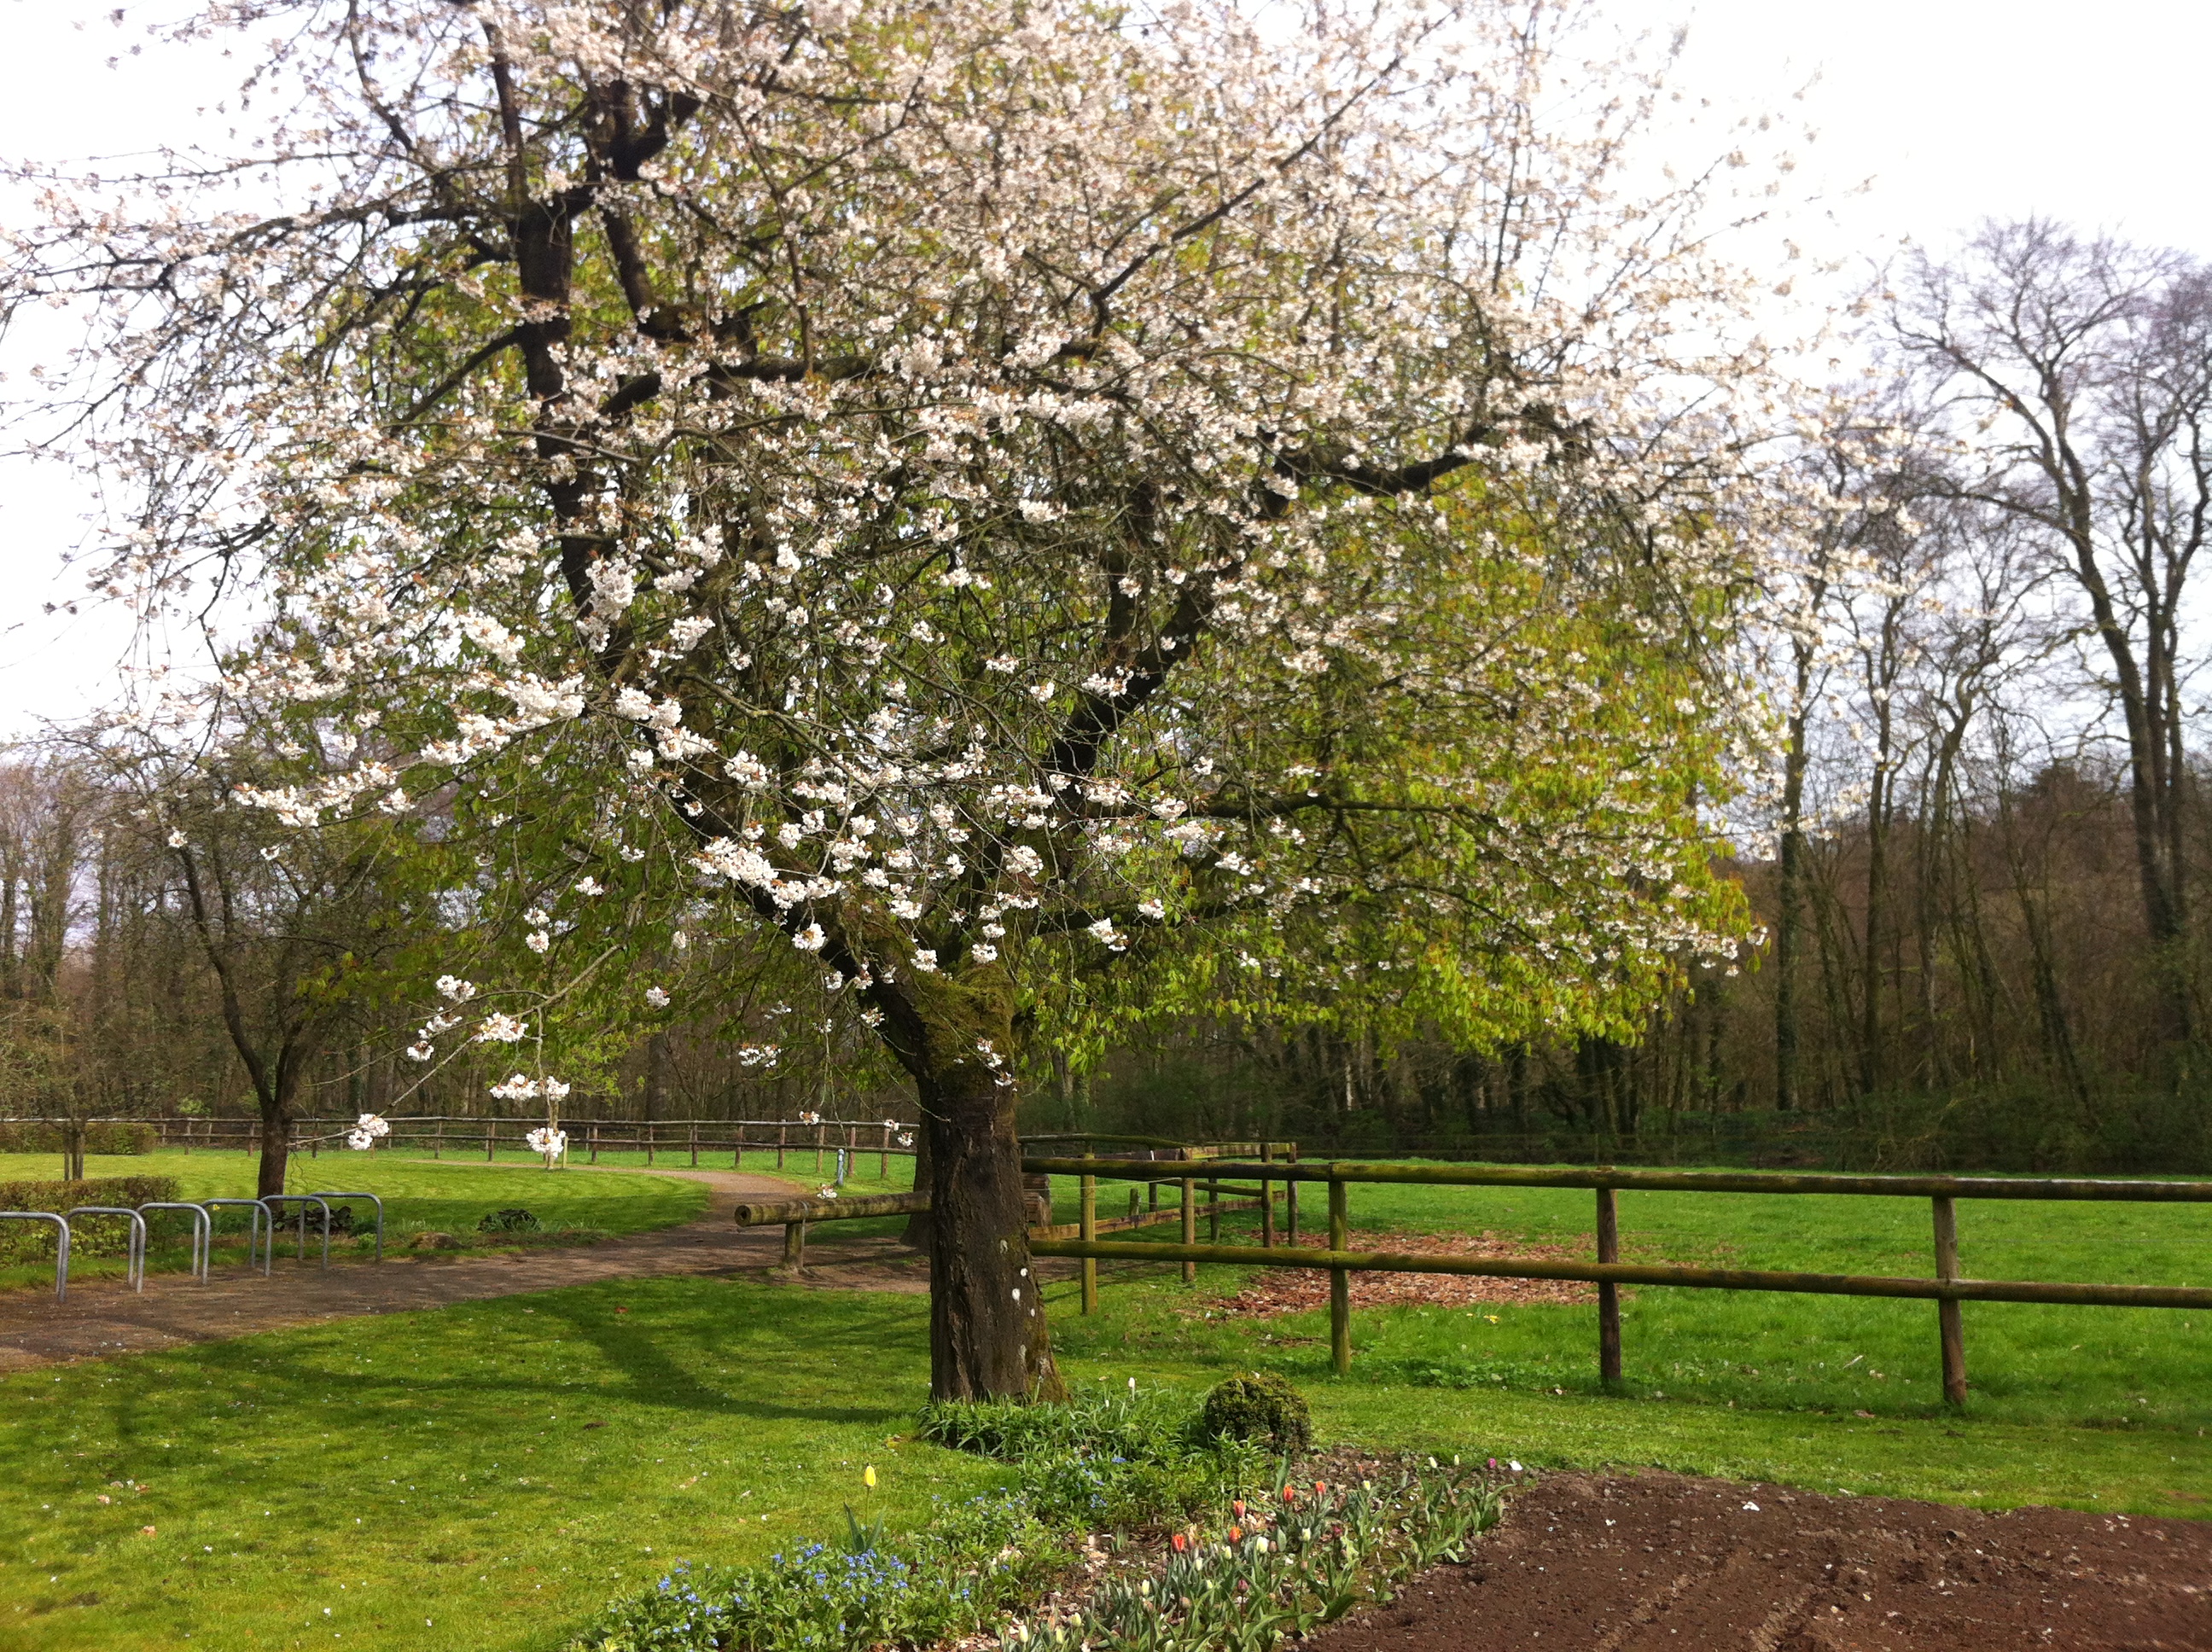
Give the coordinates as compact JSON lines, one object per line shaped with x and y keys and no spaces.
{"x":1299,"y":1290}
{"x":1634,"y":1563}
{"x":100,"y":1318}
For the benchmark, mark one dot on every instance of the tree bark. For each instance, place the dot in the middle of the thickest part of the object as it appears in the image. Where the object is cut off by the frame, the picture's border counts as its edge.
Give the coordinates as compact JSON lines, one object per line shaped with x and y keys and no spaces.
{"x":987,"y":1335}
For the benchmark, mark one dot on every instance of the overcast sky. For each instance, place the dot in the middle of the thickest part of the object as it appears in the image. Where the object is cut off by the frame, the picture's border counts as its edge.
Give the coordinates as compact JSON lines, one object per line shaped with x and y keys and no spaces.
{"x":1952,"y":110}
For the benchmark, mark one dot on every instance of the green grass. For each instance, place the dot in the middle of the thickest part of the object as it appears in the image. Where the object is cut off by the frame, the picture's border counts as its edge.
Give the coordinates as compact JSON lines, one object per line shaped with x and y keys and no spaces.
{"x":442,"y":1466}
{"x":447,"y":1195}
{"x":2087,"y":1367}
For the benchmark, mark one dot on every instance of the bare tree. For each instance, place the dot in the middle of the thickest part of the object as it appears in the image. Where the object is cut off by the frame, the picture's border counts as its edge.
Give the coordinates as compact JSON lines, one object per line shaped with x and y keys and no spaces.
{"x":2083,"y":368}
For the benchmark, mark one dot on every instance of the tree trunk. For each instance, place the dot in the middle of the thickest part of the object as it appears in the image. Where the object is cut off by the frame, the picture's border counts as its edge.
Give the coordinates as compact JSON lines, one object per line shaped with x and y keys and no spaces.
{"x":275,"y":1150}
{"x":987,"y":1337}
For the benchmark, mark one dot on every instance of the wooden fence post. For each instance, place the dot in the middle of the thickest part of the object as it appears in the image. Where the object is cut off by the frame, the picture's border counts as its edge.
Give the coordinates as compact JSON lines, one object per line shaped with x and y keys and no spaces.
{"x":1266,"y":1198}
{"x":1214,"y":1213}
{"x":490,"y":1136}
{"x":1950,"y":1324}
{"x":1189,"y":1227}
{"x":821,"y":1138}
{"x":1291,"y":1205}
{"x":782,"y":1130}
{"x":593,"y":1143}
{"x":794,"y":1246}
{"x":884,"y":1157}
{"x":1339,"y":1281}
{"x":1608,"y":1295}
{"x":1088,"y":1233}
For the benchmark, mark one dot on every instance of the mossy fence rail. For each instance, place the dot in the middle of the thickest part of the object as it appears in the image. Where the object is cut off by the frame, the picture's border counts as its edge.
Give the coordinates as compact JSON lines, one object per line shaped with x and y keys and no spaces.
{"x":1947,"y":1290}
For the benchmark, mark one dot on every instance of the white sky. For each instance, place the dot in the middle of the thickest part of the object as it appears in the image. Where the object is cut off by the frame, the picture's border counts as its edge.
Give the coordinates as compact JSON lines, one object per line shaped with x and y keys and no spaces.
{"x":1954,"y":110}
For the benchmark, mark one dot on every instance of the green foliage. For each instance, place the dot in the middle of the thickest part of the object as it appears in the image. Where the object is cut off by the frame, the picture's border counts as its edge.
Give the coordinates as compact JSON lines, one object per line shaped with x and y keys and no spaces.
{"x":1288,"y":1569}
{"x":112,"y":1137}
{"x":1258,"y":1405}
{"x":89,"y":1236}
{"x":512,"y":1219}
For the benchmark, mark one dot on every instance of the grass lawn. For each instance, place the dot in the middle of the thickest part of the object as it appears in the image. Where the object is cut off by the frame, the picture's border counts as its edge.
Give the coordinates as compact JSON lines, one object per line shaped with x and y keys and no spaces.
{"x":444,"y":1466}
{"x":477,"y":1477}
{"x":449,"y":1195}
{"x":2102,"y":1368}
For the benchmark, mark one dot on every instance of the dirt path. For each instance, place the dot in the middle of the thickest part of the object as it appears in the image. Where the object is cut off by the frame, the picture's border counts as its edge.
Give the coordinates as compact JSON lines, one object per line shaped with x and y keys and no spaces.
{"x":100,"y":1318}
{"x":1637,"y":1563}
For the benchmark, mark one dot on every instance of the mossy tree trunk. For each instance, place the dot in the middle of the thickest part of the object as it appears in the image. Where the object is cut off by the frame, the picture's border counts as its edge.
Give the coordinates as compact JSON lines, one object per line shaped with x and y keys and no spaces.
{"x":987,"y":1335}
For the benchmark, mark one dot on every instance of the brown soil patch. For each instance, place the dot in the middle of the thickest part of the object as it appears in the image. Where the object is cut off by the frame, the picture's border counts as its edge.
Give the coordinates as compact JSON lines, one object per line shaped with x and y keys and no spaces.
{"x":1636,"y":1563}
{"x":1302,"y":1290}
{"x":100,"y":1318}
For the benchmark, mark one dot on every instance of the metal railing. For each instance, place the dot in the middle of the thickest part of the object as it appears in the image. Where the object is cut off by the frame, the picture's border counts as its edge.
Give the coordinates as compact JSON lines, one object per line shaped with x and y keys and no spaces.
{"x":1948,"y":1289}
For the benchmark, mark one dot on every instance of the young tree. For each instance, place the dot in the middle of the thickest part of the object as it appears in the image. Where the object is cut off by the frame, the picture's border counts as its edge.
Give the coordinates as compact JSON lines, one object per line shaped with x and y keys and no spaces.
{"x":998,"y":496}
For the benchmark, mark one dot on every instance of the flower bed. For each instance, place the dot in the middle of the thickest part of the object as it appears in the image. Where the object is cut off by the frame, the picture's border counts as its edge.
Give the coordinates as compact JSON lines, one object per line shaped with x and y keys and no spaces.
{"x":1217,"y":1550}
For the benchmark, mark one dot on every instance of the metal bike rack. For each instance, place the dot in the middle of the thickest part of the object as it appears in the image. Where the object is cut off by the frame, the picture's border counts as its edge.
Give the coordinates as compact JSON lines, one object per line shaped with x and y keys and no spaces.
{"x":261,"y":1214}
{"x":61,"y":1244}
{"x":135,"y":1269}
{"x":203,"y":1230}
{"x":373,"y":1200}
{"x":302,"y":1200}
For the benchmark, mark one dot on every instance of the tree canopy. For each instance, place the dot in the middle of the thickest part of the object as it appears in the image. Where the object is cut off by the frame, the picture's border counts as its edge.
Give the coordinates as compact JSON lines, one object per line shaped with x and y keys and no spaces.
{"x":1000,"y":498}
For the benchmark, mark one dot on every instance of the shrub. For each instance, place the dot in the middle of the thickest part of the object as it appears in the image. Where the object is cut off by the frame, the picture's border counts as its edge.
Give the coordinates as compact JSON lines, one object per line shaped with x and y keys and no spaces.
{"x":514,"y":1220}
{"x":35,"y":1136}
{"x":1258,"y":1406}
{"x":90,"y":1236}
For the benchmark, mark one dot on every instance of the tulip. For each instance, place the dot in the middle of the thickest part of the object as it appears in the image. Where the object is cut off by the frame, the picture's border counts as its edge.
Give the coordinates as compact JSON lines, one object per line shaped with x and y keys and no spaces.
{"x":868,"y":1477}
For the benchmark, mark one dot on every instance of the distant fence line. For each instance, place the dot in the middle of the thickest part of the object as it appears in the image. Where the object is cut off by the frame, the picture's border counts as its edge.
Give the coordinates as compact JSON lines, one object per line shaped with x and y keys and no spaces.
{"x":460,"y":1136}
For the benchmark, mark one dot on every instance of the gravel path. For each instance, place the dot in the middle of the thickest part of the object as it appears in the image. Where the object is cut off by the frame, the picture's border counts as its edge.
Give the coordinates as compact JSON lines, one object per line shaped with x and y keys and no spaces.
{"x":100,"y":1318}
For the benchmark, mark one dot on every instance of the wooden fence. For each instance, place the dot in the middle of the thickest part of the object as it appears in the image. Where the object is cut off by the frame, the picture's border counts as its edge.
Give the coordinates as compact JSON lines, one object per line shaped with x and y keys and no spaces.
{"x":1608,"y":1273}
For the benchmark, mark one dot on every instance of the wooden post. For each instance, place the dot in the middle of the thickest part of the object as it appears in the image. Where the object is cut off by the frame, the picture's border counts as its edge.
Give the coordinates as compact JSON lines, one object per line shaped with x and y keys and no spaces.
{"x":491,"y":1130}
{"x":794,"y":1246}
{"x":438,"y":1140}
{"x":594,"y":1143}
{"x":821,"y":1136}
{"x":648,"y":1144}
{"x":1339,"y":1281}
{"x":1266,"y":1199}
{"x":694,"y":1146}
{"x":1950,"y":1325}
{"x":781,"y":1131}
{"x":1088,"y":1231}
{"x":1189,"y":1227}
{"x":884,"y":1157}
{"x":1608,"y":1296}
{"x":738,"y":1146}
{"x":1291,"y":1205}
{"x":1136,"y":1206}
{"x":1214,"y":1213}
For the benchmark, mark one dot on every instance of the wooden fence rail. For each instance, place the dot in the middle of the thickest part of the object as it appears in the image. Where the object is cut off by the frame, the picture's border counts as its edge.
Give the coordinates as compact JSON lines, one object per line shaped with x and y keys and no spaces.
{"x":1947,"y":1290}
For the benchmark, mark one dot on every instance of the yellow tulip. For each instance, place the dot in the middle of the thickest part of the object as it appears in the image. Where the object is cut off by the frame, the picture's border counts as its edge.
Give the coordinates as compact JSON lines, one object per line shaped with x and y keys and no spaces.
{"x":868,"y":1477}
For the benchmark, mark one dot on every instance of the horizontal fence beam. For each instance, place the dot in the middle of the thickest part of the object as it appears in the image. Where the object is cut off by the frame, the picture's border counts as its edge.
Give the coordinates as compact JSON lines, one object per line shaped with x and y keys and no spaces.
{"x":1707,"y":1279}
{"x":1683,"y":1181}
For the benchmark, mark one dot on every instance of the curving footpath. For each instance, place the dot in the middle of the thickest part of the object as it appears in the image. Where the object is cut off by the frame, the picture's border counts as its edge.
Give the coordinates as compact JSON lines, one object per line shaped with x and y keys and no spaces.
{"x":102,"y":1319}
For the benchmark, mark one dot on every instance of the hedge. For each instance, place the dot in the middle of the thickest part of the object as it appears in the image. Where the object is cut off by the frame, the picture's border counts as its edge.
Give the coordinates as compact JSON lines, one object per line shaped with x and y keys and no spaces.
{"x":36,"y":1135}
{"x":89,"y":1236}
